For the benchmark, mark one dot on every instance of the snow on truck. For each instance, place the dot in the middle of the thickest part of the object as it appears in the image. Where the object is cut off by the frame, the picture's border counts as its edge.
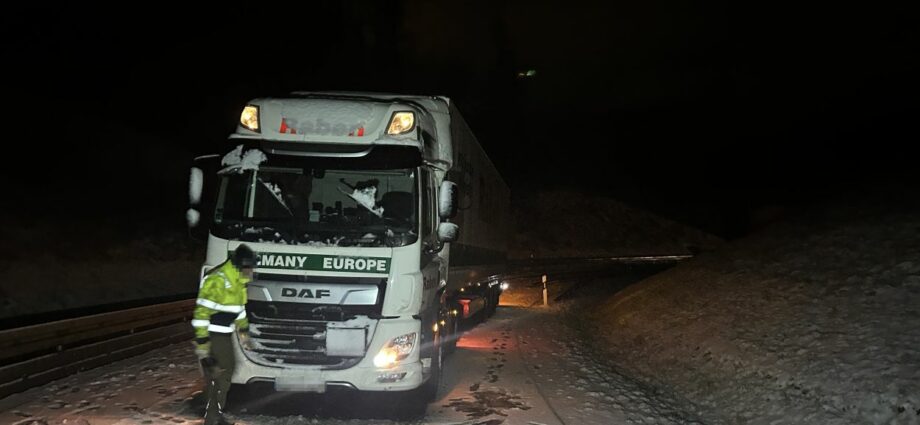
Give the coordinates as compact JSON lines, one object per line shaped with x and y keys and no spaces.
{"x":381,"y":228}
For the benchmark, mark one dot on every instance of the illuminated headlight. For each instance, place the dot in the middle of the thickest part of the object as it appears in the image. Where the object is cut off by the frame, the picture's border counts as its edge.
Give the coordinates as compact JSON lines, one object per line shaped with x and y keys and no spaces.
{"x":397,"y":349}
{"x":250,"y":117}
{"x":505,"y":286}
{"x":401,"y":123}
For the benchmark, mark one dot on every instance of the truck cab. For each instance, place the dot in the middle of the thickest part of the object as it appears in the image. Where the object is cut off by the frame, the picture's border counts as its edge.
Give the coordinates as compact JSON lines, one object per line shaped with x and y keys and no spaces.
{"x":346,"y":199}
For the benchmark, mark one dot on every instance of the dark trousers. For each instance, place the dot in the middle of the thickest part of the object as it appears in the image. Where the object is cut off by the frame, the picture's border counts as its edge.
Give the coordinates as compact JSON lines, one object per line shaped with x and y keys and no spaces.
{"x":218,"y":377}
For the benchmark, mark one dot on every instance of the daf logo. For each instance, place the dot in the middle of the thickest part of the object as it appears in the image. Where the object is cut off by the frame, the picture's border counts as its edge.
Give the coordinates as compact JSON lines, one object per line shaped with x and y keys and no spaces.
{"x":304,"y":293}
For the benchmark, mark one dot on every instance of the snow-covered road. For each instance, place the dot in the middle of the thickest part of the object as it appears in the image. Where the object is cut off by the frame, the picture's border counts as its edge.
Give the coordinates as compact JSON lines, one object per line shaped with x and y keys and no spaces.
{"x":523,"y":366}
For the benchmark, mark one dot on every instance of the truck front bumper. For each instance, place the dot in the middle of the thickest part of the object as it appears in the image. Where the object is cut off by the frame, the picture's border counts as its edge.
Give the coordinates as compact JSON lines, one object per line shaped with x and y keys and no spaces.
{"x":364,"y":376}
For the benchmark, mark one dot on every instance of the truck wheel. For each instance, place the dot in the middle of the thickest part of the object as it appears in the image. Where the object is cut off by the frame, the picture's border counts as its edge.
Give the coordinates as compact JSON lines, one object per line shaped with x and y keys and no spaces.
{"x":412,"y":405}
{"x":429,"y":390}
{"x":483,"y":314}
{"x":493,"y":304}
{"x":486,"y":306}
{"x":409,"y":407}
{"x":241,"y":395}
{"x":450,"y":345}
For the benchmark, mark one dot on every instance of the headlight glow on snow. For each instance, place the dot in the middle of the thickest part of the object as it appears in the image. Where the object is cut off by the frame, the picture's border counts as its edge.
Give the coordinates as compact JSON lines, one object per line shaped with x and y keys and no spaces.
{"x":401,"y":123}
{"x":397,"y":349}
{"x":250,"y":117}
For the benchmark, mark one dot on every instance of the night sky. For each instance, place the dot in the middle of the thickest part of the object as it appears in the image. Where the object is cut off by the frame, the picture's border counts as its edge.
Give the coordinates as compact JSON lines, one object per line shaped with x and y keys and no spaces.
{"x":703,"y":113}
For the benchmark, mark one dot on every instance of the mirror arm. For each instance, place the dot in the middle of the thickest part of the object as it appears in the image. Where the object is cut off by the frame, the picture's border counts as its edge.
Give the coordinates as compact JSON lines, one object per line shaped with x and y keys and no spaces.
{"x":438,"y":164}
{"x":433,"y":250}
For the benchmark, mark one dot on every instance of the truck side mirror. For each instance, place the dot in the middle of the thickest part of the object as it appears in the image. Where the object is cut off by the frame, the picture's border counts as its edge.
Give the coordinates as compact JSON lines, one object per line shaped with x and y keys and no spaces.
{"x":200,"y":196}
{"x":195,"y":185}
{"x":448,"y":232}
{"x":447,"y":200}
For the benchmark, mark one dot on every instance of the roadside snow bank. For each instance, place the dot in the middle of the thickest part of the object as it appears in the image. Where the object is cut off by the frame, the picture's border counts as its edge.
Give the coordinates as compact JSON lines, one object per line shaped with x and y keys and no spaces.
{"x":813,"y":321}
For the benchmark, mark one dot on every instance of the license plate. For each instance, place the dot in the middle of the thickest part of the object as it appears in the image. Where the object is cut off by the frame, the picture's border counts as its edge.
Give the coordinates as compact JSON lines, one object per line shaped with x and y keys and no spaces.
{"x":346,"y":342}
{"x":312,"y":383}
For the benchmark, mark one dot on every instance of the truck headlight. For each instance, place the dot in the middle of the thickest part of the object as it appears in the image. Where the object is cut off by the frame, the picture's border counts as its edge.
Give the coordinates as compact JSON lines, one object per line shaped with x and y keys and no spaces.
{"x":250,"y":117}
{"x":395,"y":350}
{"x":401,"y":123}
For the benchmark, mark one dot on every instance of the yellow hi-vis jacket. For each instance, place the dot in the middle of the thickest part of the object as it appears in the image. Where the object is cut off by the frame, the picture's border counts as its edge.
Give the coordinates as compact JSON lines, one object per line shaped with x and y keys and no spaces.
{"x":221,"y":304}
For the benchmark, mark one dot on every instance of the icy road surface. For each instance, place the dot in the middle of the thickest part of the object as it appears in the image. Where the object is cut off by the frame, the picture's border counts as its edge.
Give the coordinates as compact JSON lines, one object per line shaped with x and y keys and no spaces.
{"x":522,"y":366}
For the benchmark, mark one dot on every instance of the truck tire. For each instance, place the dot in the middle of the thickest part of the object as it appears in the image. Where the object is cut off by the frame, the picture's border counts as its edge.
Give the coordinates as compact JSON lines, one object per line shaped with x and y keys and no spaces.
{"x":412,"y":405}
{"x":241,"y":395}
{"x":400,"y":405}
{"x":429,"y":390}
{"x":483,"y":314}
{"x":493,"y":303}
{"x":453,"y":334}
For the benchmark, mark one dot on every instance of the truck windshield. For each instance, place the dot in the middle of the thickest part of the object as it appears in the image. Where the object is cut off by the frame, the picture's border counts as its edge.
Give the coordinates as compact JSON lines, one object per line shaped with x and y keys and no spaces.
{"x":318,"y":207}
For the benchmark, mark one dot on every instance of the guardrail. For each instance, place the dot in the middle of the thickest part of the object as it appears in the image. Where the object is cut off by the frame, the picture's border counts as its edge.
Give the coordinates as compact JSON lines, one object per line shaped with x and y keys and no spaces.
{"x":37,"y":354}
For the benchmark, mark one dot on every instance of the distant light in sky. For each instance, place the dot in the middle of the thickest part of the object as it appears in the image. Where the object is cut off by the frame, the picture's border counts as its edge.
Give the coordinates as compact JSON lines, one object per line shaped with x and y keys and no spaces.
{"x":527,"y":74}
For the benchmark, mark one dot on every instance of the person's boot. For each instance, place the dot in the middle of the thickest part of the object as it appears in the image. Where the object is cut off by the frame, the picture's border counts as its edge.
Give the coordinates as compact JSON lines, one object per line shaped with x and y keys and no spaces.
{"x":224,"y":421}
{"x":221,"y":420}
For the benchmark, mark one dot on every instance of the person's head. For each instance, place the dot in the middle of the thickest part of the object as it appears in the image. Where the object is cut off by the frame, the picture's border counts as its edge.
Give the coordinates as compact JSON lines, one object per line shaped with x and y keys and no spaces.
{"x":244,"y":259}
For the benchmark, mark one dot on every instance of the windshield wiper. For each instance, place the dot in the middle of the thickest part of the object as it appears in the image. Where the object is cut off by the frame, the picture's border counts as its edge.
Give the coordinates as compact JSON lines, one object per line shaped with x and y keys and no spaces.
{"x":365,"y":198}
{"x":252,"y":228}
{"x":272,"y":189}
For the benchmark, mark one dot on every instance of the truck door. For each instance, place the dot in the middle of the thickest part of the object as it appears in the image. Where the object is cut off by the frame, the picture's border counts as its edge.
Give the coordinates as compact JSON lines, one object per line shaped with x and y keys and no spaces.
{"x":430,"y":262}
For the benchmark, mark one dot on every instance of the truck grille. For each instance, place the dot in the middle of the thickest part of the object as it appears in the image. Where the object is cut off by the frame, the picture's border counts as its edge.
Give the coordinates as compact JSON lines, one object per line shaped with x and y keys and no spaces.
{"x":298,"y":343}
{"x":295,"y":333}
{"x":292,"y":333}
{"x":282,"y":311}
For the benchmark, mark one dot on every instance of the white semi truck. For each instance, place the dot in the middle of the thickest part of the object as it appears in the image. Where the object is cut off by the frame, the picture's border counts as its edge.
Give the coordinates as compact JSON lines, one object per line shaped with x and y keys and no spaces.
{"x":381,"y":228}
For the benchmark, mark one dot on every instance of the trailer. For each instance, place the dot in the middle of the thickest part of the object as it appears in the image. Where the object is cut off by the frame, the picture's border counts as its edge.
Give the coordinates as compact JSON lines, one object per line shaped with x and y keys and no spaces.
{"x":381,"y":228}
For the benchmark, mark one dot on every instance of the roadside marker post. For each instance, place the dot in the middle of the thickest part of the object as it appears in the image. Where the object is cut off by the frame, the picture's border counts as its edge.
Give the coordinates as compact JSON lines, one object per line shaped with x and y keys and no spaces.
{"x":545,"y":297}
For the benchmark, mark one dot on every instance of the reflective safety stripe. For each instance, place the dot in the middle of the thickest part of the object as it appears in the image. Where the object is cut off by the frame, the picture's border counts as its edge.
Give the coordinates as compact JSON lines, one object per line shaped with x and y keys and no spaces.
{"x":200,"y":323}
{"x":220,"y":329}
{"x":220,"y":307}
{"x":242,"y":315}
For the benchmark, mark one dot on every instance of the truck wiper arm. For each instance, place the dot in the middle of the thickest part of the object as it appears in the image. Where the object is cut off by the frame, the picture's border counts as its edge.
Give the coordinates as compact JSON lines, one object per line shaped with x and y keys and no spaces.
{"x":271,"y":189}
{"x":364,"y":199}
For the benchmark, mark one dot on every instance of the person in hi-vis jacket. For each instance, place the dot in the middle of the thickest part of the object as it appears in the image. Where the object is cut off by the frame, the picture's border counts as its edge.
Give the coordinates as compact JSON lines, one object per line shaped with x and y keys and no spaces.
{"x":220,"y":310}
